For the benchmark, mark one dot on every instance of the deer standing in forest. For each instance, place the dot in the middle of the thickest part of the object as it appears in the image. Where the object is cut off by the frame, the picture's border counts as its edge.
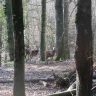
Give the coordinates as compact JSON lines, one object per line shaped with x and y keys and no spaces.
{"x":29,"y":52}
{"x":49,"y":53}
{"x":33,"y":53}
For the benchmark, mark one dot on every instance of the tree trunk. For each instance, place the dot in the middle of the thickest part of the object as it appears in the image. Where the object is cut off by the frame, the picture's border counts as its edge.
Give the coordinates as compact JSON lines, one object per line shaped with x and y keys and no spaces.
{"x":84,"y":50}
{"x":0,"y":41}
{"x":19,"y":84}
{"x":66,"y":27}
{"x":94,"y":26}
{"x":59,"y":29}
{"x":8,"y":13}
{"x":43,"y":29}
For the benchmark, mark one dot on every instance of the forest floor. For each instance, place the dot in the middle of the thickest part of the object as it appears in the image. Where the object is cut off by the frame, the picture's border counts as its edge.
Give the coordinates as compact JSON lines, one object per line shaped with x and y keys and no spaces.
{"x":34,"y":72}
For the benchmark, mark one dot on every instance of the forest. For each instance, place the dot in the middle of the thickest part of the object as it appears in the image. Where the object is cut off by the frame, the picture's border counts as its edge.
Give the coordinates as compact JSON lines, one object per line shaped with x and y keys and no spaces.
{"x":47,"y":48}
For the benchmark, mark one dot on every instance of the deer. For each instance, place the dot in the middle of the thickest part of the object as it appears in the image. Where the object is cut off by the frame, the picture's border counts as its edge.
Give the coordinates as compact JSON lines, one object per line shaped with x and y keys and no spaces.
{"x":49,"y":53}
{"x":29,"y":52}
{"x":33,"y":53}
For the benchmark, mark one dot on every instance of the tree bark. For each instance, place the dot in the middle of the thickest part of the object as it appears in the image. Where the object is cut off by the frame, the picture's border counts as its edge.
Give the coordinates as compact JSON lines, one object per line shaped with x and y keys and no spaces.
{"x":19,"y":84}
{"x":66,"y":29}
{"x":84,"y":50}
{"x":94,"y":26}
{"x":8,"y":13}
{"x":43,"y":29}
{"x":0,"y":41}
{"x":59,"y":29}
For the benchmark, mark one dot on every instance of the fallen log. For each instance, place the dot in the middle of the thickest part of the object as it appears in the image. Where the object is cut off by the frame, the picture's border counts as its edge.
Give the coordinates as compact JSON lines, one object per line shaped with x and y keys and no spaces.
{"x":28,"y":80}
{"x":71,"y":91}
{"x":60,"y":81}
{"x":73,"y":86}
{"x":71,"y":75}
{"x":64,"y":93}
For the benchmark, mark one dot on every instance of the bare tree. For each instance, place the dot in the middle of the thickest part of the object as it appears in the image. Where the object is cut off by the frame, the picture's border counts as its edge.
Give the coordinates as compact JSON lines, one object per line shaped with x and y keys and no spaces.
{"x":19,"y":84}
{"x":8,"y":14}
{"x":66,"y":30}
{"x":0,"y":40}
{"x":59,"y":29}
{"x":43,"y":29}
{"x":84,"y":49}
